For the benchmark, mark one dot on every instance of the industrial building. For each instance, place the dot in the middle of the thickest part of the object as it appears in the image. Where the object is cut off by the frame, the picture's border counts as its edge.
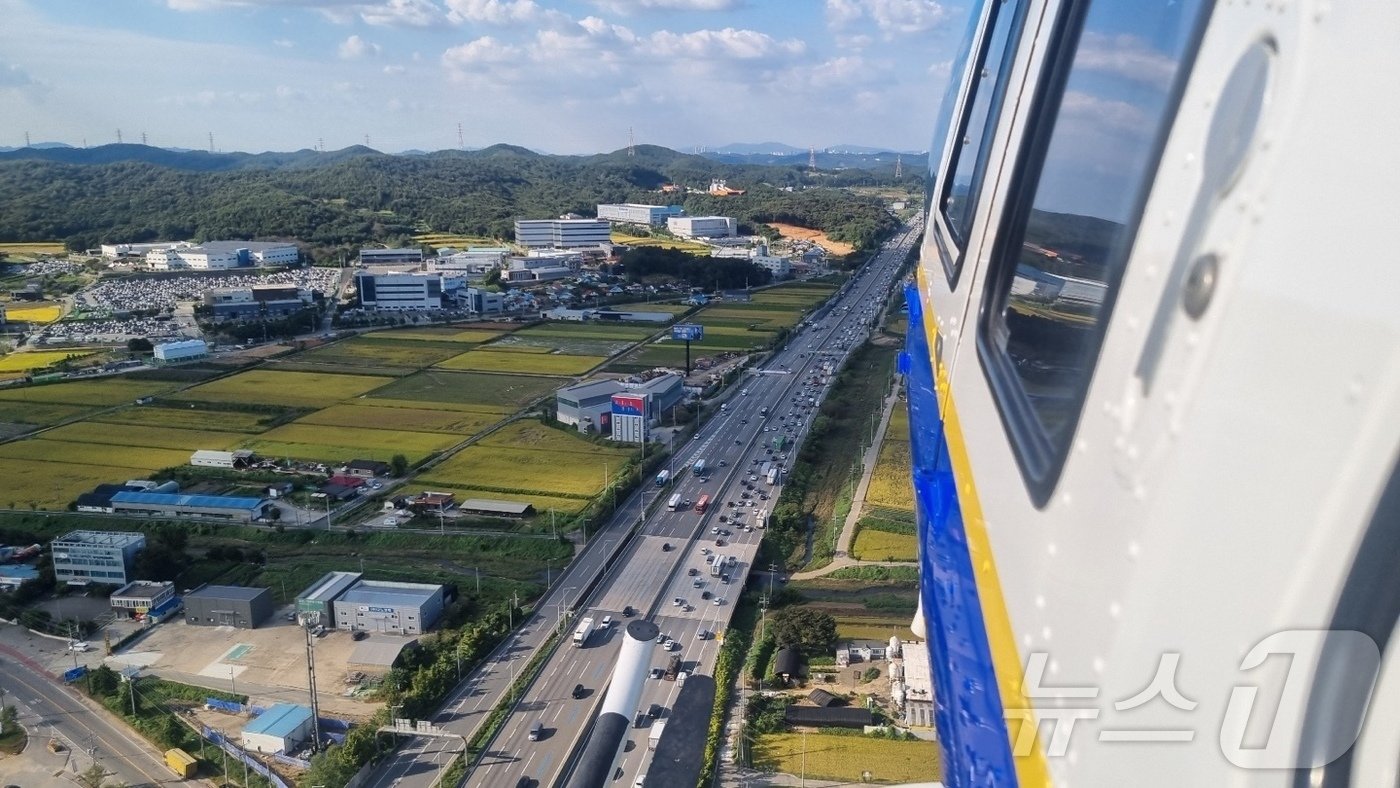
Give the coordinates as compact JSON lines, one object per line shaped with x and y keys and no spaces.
{"x":228,"y":606}
{"x":484,"y":302}
{"x":399,"y":291}
{"x":394,"y":608}
{"x":319,"y":598}
{"x":703,"y":226}
{"x":476,"y":260}
{"x":221,"y":255}
{"x":494,"y":508}
{"x":100,"y":499}
{"x":81,"y":557}
{"x":184,"y":350}
{"x":390,"y":256}
{"x":562,"y":233}
{"x":590,"y":404}
{"x":912,"y":684}
{"x":217,"y":507}
{"x":634,"y":213}
{"x":257,"y":301}
{"x":138,"y":597}
{"x":283,"y":728}
{"x":211,"y":458}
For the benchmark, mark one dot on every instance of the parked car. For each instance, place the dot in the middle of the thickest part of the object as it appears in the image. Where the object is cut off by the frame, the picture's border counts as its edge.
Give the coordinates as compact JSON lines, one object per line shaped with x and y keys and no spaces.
{"x":359,"y":635}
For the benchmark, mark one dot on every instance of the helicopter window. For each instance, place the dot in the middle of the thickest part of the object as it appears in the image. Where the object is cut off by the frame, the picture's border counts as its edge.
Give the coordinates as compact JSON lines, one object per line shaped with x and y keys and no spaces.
{"x":1108,"y":97}
{"x":967,"y":163}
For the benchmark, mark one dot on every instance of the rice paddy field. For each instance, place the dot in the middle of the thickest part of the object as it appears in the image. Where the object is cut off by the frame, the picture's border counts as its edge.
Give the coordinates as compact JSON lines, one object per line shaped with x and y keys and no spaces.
{"x":891,"y":485}
{"x":664,"y":243}
{"x":38,"y":413}
{"x":367,"y":412}
{"x":188,"y":440}
{"x":139,"y":460}
{"x":874,"y":545}
{"x":457,"y":241}
{"x":37,"y":359}
{"x":372,"y":351}
{"x":579,"y":346}
{"x":505,"y":393}
{"x":527,"y":457}
{"x":188,"y":418}
{"x":522,"y":363}
{"x":33,"y":313}
{"x":846,"y":759}
{"x":472,"y":335}
{"x":88,"y":393}
{"x":293,"y":389}
{"x":52,"y":485}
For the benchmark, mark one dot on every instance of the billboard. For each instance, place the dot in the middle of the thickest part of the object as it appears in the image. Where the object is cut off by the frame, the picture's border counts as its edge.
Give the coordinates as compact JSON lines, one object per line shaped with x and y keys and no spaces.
{"x":688,"y":332}
{"x":628,"y":405}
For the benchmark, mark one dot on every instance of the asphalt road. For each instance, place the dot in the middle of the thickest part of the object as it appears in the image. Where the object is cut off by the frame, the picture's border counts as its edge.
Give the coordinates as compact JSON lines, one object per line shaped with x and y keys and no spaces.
{"x":655,"y":576}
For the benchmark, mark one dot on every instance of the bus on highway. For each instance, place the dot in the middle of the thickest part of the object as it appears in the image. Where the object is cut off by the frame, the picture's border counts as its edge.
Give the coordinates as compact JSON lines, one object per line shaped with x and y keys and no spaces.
{"x":702,"y":504}
{"x":674,"y":503}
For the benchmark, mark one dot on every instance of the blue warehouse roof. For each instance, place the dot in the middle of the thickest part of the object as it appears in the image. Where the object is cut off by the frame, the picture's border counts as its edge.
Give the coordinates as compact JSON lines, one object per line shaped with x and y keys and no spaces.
{"x":282,"y":720}
{"x":203,"y":501}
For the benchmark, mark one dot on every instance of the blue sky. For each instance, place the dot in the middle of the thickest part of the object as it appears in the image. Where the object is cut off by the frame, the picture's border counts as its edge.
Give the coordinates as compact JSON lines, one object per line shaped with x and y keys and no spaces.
{"x":563,"y":76}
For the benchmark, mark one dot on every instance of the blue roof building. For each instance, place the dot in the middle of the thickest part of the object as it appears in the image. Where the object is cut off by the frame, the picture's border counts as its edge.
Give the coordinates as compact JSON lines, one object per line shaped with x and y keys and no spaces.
{"x":217,"y":507}
{"x":282,"y":728}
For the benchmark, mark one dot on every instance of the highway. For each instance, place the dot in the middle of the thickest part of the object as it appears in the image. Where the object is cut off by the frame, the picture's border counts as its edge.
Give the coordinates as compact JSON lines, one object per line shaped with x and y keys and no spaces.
{"x":48,"y":708}
{"x":655,"y":576}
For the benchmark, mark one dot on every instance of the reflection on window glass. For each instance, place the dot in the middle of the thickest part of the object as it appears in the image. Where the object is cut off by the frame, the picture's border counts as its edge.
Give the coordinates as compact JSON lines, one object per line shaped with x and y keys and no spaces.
{"x":1101,"y":155}
{"x":968,"y":166}
{"x":945,"y":108}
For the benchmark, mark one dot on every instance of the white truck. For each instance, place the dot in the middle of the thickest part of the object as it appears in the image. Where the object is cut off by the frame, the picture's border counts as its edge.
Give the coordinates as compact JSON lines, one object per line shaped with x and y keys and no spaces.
{"x":654,"y":737}
{"x":581,"y":634}
{"x":699,"y":468}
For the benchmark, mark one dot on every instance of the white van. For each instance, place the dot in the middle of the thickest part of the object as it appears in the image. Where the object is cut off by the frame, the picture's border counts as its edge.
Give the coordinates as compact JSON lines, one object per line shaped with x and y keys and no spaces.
{"x":607,"y":622}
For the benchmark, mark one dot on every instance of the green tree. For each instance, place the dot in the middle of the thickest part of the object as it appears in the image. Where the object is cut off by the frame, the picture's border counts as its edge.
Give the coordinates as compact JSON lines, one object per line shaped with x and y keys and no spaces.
{"x":104,"y":681}
{"x":398,"y":465}
{"x":139,"y":345}
{"x":812,"y":630}
{"x":7,"y":719}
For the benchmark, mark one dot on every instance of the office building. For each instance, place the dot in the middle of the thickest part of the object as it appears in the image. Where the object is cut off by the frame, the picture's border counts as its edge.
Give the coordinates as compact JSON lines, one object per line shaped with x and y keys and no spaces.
{"x":221,"y":255}
{"x":82,"y":557}
{"x":137,"y":598}
{"x":228,"y":606}
{"x":703,"y":226}
{"x":283,"y":728}
{"x":399,"y":291}
{"x":484,"y":302}
{"x":634,"y":213}
{"x":394,"y":608}
{"x":318,"y":600}
{"x":562,"y":233}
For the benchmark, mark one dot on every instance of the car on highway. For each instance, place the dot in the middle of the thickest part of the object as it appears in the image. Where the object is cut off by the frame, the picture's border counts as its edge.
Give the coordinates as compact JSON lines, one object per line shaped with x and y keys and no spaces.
{"x":705,"y":595}
{"x":719,"y":600}
{"x":654,"y":710}
{"x":579,"y":691}
{"x":656,"y":673}
{"x":627,"y":612}
{"x":536,"y":730}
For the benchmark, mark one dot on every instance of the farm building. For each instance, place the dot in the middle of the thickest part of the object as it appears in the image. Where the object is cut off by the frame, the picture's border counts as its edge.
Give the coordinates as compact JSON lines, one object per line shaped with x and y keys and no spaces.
{"x":828,"y":716}
{"x":139,"y":596}
{"x":394,"y":608}
{"x":184,"y":350}
{"x":913,"y":687}
{"x":208,"y":458}
{"x":217,"y":507}
{"x":81,"y":557}
{"x":432,"y":502}
{"x":367,"y":469}
{"x":319,"y":598}
{"x":281,"y":729}
{"x":788,"y":662}
{"x":100,"y":499}
{"x":228,"y":606}
{"x":492,"y":508}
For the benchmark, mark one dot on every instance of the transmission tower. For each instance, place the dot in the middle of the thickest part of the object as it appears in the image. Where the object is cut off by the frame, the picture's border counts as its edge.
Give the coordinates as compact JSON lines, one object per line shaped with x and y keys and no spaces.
{"x":119,"y":136}
{"x":320,"y":145}
{"x":143,"y":138}
{"x":631,"y":142}
{"x":898,"y":167}
{"x":366,"y":140}
{"x":211,"y":142}
{"x":461,"y":141}
{"x":812,"y":158}
{"x":26,"y":139}
{"x":307,"y":628}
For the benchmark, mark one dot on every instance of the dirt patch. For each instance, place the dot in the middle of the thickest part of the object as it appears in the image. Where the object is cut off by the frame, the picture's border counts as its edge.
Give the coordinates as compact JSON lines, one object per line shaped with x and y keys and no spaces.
{"x":816,"y":236}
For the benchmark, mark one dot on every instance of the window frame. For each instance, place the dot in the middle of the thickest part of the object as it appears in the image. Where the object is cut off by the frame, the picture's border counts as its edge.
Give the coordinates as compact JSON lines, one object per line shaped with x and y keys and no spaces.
{"x":1040,"y":459}
{"x":952,"y":250}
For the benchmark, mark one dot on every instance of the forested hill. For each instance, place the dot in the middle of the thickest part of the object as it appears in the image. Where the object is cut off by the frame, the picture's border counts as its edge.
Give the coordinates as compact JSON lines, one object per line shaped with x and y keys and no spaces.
{"x":337,"y":200}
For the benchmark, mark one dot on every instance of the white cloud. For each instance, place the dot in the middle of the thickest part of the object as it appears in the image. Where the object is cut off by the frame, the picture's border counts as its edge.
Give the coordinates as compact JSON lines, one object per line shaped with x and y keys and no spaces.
{"x":726,"y":43}
{"x":394,"y":71}
{"x":12,"y":76}
{"x":892,"y":17}
{"x":354,"y":48}
{"x":403,"y":13}
{"x":285,"y":43}
{"x":503,"y":12}
{"x":1125,"y":56}
{"x":632,"y":6}
{"x":480,"y":54}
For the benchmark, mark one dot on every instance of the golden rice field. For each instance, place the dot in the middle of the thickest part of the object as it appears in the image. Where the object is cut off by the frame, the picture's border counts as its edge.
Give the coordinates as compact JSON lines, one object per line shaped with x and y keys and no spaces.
{"x":33,"y":247}
{"x":891,"y":482}
{"x":39,"y":412}
{"x":472,"y":335}
{"x":480,"y":391}
{"x":141,"y":460}
{"x":106,"y":391}
{"x":664,"y":243}
{"x":872,"y":545}
{"x":534,"y":435}
{"x":531,"y":457}
{"x":522,"y":363}
{"x":144,"y":435}
{"x":53,"y":485}
{"x":33,"y":313}
{"x":429,"y":404}
{"x":845,"y":759}
{"x":187,"y":418}
{"x":370,"y":413}
{"x":455,"y":240}
{"x":293,"y":389}
{"x":340,"y":444}
{"x":36,"y":359}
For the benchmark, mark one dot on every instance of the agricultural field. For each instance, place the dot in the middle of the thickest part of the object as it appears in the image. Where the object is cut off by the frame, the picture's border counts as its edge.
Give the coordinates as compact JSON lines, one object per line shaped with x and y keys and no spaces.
{"x":188,"y":418}
{"x":53,"y":485}
{"x":485,"y":392}
{"x":89,"y":393}
{"x":891,"y":485}
{"x":33,"y":313}
{"x":845,"y":759}
{"x":37,"y":359}
{"x":527,"y":434}
{"x":142,"y":460}
{"x":293,"y":389}
{"x":588,"y":331}
{"x":471,"y":335}
{"x":38,"y":413}
{"x":33,"y":247}
{"x":436,"y":240}
{"x":522,"y":363}
{"x":580,"y":346}
{"x":372,"y":351}
{"x":147,"y":436}
{"x":556,"y":464}
{"x":875,"y":545}
{"x":341,"y":444}
{"x":373,"y":413}
{"x":664,"y":243}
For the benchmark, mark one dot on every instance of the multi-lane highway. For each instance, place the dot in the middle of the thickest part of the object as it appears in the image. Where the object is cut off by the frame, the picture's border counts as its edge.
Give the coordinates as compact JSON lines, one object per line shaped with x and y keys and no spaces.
{"x":667,"y":574}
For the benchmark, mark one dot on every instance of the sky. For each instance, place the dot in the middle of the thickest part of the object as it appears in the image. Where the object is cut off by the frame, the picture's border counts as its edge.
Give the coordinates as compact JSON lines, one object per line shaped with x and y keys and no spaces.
{"x":559,"y":76}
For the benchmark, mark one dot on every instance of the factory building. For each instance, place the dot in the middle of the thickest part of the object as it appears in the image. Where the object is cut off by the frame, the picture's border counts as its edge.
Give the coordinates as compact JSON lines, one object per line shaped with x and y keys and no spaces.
{"x":394,"y":608}
{"x":319,"y":598}
{"x":257,"y":301}
{"x":214,"y":507}
{"x":184,"y":350}
{"x":484,"y":302}
{"x":633,"y":213}
{"x":562,"y":233}
{"x":399,"y":291}
{"x":703,"y":226}
{"x":138,"y":597}
{"x":228,"y":606}
{"x":81,"y":557}
{"x":221,"y":255}
{"x":283,"y":728}
{"x":590,"y":404}
{"x":390,"y":256}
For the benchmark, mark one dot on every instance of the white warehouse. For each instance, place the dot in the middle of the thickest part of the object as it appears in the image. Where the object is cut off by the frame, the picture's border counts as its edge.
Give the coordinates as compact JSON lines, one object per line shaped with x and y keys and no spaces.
{"x":562,"y":233}
{"x":703,"y":226}
{"x":184,"y":350}
{"x":634,"y":213}
{"x":221,"y":255}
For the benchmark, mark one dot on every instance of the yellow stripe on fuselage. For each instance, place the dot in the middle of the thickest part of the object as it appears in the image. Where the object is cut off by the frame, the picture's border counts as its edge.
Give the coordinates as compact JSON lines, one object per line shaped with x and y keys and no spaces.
{"x":1031,"y":768}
